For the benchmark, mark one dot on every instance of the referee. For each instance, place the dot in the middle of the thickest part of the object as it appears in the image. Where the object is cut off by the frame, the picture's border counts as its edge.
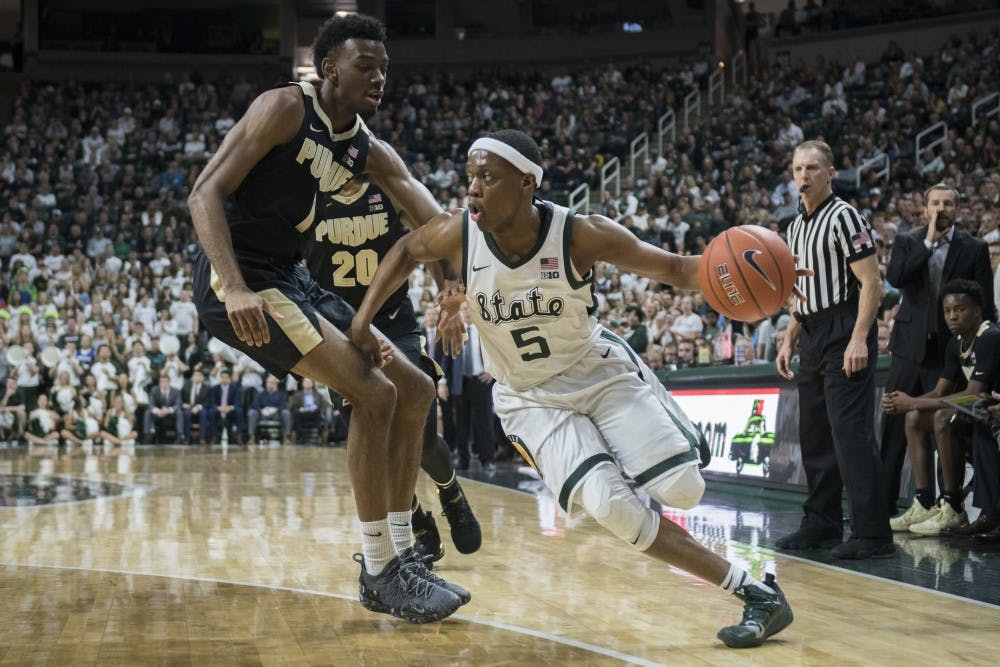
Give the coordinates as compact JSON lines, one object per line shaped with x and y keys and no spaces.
{"x":834,"y":328}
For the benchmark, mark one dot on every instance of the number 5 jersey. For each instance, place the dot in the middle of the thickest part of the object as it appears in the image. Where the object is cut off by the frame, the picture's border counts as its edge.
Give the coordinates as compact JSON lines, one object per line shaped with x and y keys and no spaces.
{"x":533,"y":314}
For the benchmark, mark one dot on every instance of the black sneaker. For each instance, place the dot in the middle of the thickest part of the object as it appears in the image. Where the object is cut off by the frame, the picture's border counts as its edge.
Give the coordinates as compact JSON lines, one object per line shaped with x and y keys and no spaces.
{"x":764,"y":614}
{"x":400,"y":592}
{"x":427,"y":539}
{"x":809,"y":538}
{"x":861,"y":548}
{"x":412,"y":561}
{"x":465,"y":530}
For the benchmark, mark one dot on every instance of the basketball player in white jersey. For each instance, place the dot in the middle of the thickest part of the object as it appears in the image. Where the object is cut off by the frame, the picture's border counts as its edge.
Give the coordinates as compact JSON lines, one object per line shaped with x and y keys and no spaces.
{"x":572,"y":397}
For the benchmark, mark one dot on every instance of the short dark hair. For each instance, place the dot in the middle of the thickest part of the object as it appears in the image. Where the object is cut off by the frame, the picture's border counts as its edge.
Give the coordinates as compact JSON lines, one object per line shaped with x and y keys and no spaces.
{"x":520,"y":142}
{"x":970,"y":288}
{"x":339,"y":29}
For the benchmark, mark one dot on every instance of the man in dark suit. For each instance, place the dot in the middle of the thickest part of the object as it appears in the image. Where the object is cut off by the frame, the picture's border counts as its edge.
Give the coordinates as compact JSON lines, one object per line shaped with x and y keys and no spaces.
{"x":164,"y":405}
{"x":310,"y":409}
{"x":474,"y":406}
{"x":196,"y":405}
{"x":226,"y":410}
{"x":272,"y":404}
{"x":922,"y":261}
{"x":429,"y":330}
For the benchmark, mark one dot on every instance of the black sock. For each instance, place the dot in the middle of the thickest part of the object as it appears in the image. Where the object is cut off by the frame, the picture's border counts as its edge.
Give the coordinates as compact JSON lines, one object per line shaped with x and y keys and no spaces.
{"x":419,"y":518}
{"x":449,"y":491}
{"x":926,"y":498}
{"x":954,"y":499}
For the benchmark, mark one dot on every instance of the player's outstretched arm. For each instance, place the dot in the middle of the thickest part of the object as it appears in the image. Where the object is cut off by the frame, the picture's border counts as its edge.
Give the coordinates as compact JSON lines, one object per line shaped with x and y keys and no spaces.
{"x":440,"y":239}
{"x":597,"y":238}
{"x":413,"y":216}
{"x":409,"y":196}
{"x":272,"y":119}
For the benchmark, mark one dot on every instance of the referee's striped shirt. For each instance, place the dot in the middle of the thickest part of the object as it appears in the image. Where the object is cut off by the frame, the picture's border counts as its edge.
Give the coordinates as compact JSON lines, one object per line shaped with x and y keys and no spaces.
{"x":827,"y":242}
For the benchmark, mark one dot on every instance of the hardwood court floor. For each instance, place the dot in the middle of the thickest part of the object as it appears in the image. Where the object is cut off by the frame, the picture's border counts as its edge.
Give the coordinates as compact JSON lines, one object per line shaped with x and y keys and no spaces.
{"x":245,"y":558}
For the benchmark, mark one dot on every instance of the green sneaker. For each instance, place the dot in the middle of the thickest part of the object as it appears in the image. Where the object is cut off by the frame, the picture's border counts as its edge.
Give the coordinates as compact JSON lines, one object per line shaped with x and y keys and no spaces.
{"x":764,"y":614}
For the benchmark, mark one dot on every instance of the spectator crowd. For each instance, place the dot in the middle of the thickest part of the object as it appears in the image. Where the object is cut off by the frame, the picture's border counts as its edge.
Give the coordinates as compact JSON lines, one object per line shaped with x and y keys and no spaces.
{"x":97,"y":330}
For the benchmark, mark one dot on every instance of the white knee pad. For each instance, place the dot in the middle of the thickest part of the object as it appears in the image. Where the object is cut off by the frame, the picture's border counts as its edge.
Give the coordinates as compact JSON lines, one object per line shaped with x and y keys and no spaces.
{"x":683,"y":489}
{"x":606,"y":497}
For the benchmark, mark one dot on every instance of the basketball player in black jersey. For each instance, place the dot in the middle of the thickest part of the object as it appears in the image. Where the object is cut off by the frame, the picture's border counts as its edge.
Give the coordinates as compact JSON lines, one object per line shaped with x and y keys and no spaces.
{"x":972,"y":349}
{"x":295,"y":146}
{"x":357,"y":228}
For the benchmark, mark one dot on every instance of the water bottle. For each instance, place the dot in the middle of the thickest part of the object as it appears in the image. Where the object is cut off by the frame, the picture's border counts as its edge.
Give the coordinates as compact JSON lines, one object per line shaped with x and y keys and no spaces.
{"x":739,"y":351}
{"x":704,"y":355}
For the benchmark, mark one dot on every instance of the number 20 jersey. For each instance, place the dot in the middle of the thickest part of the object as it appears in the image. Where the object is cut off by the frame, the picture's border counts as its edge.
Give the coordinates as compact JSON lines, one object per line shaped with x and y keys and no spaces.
{"x":533,"y":315}
{"x":350,"y":237}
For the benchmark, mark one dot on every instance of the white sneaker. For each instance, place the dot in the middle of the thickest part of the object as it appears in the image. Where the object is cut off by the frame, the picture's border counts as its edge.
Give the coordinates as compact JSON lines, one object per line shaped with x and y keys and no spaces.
{"x":947,"y":519}
{"x":914,"y":514}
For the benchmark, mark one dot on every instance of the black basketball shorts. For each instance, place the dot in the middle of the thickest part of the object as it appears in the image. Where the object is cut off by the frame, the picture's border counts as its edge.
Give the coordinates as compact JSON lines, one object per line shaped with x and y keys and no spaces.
{"x":290,"y":290}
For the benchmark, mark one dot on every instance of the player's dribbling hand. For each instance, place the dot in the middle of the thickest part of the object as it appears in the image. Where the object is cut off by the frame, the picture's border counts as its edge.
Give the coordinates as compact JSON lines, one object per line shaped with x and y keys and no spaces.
{"x":246,"y":309}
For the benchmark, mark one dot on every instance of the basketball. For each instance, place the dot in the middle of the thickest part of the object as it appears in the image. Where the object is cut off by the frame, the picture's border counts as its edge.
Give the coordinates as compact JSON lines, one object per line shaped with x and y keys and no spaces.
{"x":747,"y":273}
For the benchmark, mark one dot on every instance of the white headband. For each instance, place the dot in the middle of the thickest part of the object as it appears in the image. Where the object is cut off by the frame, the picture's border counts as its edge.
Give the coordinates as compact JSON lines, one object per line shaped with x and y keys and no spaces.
{"x":509,"y":153}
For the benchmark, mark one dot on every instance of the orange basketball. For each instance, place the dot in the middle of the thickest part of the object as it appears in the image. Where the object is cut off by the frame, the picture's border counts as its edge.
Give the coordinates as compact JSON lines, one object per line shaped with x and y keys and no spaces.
{"x":747,"y":273}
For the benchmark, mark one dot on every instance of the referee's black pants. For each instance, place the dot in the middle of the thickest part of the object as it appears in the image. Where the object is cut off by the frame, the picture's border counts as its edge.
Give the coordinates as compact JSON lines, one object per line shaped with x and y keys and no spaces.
{"x":837,"y":428}
{"x":913,"y":378}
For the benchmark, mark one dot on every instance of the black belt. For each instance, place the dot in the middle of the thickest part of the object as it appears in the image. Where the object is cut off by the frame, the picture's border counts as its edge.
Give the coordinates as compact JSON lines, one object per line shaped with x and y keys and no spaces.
{"x":826,"y":314}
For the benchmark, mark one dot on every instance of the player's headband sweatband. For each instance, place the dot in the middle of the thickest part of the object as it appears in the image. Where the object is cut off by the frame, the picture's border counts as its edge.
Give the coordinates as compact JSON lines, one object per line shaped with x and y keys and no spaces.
{"x":509,"y":153}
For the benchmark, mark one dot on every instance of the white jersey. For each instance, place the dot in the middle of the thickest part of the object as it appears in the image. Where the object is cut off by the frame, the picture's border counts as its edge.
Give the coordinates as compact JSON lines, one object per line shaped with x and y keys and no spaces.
{"x":533,"y":315}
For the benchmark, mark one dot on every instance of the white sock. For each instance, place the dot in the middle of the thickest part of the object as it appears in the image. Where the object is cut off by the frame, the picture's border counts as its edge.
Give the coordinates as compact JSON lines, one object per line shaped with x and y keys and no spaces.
{"x":401,"y":530}
{"x":738,"y":578}
{"x":376,"y":545}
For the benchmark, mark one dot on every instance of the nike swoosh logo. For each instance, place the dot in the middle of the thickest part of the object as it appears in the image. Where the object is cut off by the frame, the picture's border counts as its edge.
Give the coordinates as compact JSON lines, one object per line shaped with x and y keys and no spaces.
{"x":316,"y":129}
{"x":393,"y":314}
{"x":606,"y":353}
{"x":399,"y":525}
{"x":750,"y":257}
{"x":480,"y":268}
{"x":370,"y":535}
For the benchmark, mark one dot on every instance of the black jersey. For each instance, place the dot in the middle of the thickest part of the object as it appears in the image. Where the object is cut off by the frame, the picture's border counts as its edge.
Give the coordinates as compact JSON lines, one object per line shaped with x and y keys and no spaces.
{"x":346,"y":245}
{"x":979,"y":361}
{"x":279,"y":198}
